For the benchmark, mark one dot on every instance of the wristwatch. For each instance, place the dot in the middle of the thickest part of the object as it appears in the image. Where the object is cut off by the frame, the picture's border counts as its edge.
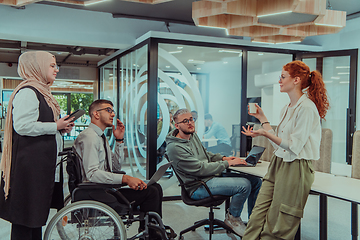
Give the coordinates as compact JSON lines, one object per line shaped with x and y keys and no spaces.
{"x":119,"y":139}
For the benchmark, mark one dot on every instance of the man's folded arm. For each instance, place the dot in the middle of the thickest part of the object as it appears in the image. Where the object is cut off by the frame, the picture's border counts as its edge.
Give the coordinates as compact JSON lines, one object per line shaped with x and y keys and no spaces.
{"x":196,"y":167}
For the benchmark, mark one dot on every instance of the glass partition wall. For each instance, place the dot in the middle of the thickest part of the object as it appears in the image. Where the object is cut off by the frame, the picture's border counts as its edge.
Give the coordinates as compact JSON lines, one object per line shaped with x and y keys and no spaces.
{"x":108,"y":90}
{"x":341,"y":117}
{"x":154,"y":79}
{"x":151,"y":81}
{"x":206,"y":81}
{"x":124,"y":82}
{"x":132,"y":109}
{"x":263,"y":87}
{"x":263,"y":71}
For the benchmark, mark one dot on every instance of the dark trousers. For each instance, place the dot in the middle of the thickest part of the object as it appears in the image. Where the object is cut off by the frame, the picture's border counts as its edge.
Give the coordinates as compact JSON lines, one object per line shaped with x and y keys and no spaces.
{"x":149,"y":200}
{"x":20,"y":232}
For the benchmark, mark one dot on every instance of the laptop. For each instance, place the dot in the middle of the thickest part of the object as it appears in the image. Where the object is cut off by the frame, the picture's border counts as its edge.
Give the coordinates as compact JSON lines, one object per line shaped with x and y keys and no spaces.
{"x":158,"y":174}
{"x":254,"y":156}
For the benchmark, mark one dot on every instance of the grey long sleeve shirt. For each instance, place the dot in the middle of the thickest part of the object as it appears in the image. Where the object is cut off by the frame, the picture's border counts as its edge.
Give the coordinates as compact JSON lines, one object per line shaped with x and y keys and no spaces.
{"x":90,"y":146}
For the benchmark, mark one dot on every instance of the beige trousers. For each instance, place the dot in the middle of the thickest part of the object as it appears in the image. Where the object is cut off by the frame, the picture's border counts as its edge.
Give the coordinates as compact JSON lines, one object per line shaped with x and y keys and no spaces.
{"x":281,"y":200}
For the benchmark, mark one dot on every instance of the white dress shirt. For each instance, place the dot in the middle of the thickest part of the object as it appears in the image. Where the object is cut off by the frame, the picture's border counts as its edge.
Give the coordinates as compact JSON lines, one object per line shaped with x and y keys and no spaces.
{"x":25,"y":120}
{"x":300,"y":131}
{"x":90,"y":146}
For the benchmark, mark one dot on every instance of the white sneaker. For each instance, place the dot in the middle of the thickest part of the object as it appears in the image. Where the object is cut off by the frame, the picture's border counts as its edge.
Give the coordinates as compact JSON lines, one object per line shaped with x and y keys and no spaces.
{"x":236,"y":224}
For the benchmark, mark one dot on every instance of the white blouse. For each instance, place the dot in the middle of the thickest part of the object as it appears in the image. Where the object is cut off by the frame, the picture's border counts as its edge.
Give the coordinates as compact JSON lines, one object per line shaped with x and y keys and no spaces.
{"x":300,"y":131}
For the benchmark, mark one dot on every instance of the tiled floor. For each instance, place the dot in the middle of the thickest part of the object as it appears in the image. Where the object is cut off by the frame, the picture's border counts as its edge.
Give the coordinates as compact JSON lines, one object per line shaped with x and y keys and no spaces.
{"x":179,"y":216}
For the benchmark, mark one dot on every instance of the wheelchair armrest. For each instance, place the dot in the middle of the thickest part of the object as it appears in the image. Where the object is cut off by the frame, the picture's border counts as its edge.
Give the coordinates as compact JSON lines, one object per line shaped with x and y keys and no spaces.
{"x":99,"y":185}
{"x":65,"y":151}
{"x":202,"y":183}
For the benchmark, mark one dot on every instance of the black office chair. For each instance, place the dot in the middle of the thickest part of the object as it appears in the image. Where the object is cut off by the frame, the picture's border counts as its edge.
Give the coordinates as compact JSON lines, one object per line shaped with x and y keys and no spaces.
{"x":212,"y":202}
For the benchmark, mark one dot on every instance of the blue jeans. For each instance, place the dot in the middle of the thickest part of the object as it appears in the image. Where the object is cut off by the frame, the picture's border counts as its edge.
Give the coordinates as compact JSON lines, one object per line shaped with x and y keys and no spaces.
{"x":239,"y":186}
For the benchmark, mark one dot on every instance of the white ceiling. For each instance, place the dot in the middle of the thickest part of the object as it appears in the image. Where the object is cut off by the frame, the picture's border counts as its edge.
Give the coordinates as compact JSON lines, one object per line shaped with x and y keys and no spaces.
{"x":135,"y":20}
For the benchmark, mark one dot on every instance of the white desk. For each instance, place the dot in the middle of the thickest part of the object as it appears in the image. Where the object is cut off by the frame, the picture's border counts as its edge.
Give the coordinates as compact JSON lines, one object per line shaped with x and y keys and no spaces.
{"x":340,"y":187}
{"x":209,"y":140}
{"x":206,"y":141}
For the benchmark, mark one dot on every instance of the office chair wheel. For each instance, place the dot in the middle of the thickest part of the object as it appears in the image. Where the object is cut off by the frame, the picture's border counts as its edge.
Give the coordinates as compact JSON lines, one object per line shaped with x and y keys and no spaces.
{"x":86,"y":220}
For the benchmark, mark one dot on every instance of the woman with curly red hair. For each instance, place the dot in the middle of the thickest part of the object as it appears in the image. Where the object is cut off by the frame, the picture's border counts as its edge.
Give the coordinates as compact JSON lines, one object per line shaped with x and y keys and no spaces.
{"x":286,"y":186}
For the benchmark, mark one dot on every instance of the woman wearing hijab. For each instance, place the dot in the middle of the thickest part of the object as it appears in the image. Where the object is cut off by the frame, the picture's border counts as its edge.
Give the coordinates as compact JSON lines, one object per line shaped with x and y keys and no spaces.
{"x":31,"y":143}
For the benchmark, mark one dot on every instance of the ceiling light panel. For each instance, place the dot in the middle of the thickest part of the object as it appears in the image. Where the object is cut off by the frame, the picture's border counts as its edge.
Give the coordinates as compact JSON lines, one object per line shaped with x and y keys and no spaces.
{"x":269,"y":21}
{"x":196,"y":61}
{"x":289,"y":18}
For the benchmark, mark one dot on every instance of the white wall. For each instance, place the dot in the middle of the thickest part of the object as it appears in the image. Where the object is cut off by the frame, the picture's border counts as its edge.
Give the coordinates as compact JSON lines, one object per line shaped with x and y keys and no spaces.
{"x":272,"y":100}
{"x":252,"y":91}
{"x":59,"y":25}
{"x":225,"y":91}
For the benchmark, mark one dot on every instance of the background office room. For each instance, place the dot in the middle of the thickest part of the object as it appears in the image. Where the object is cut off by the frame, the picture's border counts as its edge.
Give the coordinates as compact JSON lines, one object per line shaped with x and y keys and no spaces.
{"x":151,"y":58}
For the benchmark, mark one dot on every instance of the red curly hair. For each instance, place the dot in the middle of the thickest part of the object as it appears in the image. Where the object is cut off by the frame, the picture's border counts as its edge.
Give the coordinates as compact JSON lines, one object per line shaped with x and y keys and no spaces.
{"x":314,"y":83}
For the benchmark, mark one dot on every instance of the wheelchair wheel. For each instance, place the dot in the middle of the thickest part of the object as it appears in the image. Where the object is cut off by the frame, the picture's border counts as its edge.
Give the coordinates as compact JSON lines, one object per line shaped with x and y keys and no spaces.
{"x":86,"y":220}
{"x":67,"y":200}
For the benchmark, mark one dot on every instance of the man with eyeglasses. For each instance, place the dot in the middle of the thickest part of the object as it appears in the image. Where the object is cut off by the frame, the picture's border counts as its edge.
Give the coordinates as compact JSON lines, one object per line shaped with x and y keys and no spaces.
{"x":101,"y":164}
{"x":193,"y":162}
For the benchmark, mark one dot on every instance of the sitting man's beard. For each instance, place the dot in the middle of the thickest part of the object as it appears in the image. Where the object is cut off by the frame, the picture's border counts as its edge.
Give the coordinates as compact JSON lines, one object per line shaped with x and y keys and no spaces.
{"x":189,"y":132}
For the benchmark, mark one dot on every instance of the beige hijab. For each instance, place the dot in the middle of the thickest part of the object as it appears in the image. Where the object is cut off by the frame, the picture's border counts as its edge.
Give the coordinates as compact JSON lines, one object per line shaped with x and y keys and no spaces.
{"x":33,"y":68}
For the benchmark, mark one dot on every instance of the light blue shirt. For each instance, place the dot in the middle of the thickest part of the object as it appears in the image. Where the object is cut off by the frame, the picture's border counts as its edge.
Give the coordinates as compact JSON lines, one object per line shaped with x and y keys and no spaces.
{"x":219,"y":132}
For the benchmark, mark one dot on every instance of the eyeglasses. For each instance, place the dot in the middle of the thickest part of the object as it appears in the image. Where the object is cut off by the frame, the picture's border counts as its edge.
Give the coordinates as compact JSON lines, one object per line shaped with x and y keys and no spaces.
{"x":108,"y":109}
{"x":55,"y":66}
{"x":186,"y":121}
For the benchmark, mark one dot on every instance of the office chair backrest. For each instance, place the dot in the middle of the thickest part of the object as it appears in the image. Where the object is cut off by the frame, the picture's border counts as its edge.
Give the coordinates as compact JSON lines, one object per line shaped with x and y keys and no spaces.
{"x":177,"y":176}
{"x":184,"y":194}
{"x":355,"y":171}
{"x":206,"y":202}
{"x":324,"y":163}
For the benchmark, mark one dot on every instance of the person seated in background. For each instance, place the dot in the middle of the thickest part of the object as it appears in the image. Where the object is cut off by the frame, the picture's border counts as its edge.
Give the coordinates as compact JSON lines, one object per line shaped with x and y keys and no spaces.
{"x":160,"y":124}
{"x":101,"y":164}
{"x":191,"y":161}
{"x":194,"y":115}
{"x":215,"y":129}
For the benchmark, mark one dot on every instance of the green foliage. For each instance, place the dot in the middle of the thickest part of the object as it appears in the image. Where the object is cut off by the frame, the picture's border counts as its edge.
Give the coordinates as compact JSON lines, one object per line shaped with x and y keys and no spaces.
{"x":78,"y":100}
{"x":62,"y":100}
{"x":81,"y":101}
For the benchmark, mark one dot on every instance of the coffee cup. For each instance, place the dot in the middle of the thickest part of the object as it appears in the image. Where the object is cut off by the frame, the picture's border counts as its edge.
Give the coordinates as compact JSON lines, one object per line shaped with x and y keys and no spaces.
{"x":252,"y":108}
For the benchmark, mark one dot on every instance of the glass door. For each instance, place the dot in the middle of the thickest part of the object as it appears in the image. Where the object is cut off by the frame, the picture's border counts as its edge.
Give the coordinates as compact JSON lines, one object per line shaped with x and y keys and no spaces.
{"x":339,"y":75}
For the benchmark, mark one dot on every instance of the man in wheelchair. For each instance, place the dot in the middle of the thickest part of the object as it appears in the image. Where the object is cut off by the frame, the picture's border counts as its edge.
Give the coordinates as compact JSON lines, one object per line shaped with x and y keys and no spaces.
{"x":101,"y":165}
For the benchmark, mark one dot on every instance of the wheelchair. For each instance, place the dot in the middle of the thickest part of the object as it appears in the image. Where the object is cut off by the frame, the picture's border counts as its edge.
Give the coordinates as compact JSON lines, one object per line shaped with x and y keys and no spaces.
{"x":95,"y":212}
